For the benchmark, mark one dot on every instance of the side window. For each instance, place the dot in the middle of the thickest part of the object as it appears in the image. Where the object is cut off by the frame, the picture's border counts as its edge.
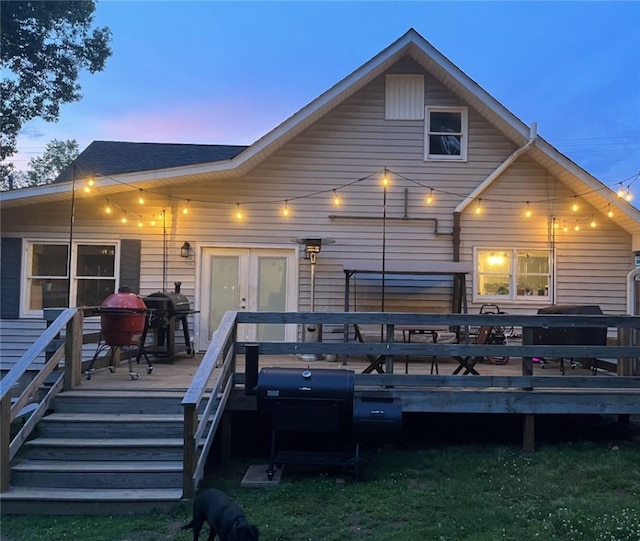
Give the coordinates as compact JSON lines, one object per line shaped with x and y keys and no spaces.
{"x":512,"y":275}
{"x":446,"y":133}
{"x":49,"y":285}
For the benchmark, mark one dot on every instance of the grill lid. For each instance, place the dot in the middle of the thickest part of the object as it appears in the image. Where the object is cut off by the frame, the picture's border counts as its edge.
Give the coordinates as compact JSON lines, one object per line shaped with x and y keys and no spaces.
{"x":167,"y":301}
{"x":123,"y":302}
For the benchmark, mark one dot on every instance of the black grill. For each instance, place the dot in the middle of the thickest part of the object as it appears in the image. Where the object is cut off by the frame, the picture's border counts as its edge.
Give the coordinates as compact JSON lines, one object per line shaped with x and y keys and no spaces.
{"x":318,"y":408}
{"x":168,"y":311}
{"x":167,"y":302}
{"x":566,"y":336}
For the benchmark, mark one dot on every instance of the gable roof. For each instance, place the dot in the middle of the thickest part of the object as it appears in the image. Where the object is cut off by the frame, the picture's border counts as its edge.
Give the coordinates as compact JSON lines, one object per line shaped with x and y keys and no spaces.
{"x":410,"y":44}
{"x":117,"y":157}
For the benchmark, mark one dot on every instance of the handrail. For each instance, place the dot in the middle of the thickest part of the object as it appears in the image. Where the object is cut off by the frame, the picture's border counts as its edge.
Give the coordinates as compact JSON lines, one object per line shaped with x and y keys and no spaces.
{"x":224,"y":347}
{"x":196,"y":444}
{"x":69,"y":319}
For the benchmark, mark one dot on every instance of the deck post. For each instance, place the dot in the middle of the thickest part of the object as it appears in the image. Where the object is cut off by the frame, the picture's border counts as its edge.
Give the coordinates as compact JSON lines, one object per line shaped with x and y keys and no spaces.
{"x":189,"y":453}
{"x":626,"y":366}
{"x":73,"y":351}
{"x":528,"y":433}
{"x":5,"y":440}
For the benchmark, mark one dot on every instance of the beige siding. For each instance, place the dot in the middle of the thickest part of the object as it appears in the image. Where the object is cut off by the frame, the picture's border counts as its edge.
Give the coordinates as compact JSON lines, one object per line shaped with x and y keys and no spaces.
{"x":354,"y":142}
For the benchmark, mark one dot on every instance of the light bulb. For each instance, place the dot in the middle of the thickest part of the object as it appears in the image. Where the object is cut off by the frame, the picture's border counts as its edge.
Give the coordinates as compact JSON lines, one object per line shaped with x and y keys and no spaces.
{"x":285,"y":210}
{"x":239,"y":215}
{"x":610,"y":212}
{"x":141,"y":199}
{"x":336,"y":199}
{"x":430,"y":197}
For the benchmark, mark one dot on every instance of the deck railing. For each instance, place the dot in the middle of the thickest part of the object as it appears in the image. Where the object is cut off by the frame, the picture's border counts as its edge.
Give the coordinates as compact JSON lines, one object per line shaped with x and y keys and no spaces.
{"x":70,"y":351}
{"x":224,"y":347}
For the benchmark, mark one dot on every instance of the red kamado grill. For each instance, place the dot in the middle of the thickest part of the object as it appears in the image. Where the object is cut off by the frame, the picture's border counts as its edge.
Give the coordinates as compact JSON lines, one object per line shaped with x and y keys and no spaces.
{"x":122,"y":322}
{"x":168,"y":310}
{"x":319,"y":409}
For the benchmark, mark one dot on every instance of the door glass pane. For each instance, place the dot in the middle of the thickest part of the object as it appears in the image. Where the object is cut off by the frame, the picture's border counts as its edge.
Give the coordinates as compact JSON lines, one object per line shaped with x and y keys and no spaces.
{"x":223,"y":288}
{"x":272,"y":294}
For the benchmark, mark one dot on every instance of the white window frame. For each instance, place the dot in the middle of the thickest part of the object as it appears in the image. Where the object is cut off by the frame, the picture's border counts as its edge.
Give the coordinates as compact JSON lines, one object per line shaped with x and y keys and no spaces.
{"x":464,"y":133}
{"x":513,"y":295}
{"x":25,"y":310}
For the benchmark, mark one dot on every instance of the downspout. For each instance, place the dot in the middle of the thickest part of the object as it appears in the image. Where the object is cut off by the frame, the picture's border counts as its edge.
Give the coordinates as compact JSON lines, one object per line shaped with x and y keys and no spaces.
{"x":457,"y":212}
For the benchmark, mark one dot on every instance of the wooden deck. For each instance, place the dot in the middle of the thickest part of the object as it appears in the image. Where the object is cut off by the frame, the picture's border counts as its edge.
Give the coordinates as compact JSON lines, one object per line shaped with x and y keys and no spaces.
{"x":179,"y":374}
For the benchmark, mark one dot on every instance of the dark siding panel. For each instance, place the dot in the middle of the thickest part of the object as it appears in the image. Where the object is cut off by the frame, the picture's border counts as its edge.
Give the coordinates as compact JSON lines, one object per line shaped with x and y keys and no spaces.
{"x":130,"y":264}
{"x":10,"y":249}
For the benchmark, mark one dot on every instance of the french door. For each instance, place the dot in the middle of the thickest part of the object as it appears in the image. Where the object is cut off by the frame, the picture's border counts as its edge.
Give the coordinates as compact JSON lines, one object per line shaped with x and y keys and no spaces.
{"x":251,"y":279}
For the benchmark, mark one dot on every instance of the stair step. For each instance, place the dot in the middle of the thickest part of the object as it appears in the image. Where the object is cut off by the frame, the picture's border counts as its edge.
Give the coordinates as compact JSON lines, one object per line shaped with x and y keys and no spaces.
{"x":143,"y":402}
{"x":115,"y":425}
{"x":106,"y":474}
{"x":89,"y":501}
{"x":85,"y":466}
{"x":100,"y":449}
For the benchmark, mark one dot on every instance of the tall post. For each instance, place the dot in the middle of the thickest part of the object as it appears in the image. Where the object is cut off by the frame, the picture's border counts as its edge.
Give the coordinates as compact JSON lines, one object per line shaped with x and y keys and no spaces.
{"x":71,"y":221}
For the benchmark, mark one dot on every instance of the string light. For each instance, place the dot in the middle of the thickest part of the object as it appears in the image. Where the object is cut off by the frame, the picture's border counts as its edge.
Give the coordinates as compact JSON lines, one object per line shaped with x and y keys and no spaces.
{"x":576,"y":227}
{"x":140,"y":223}
{"x":429,"y":199}
{"x":623,"y":192}
{"x":564,"y":226}
{"x":385,"y":177}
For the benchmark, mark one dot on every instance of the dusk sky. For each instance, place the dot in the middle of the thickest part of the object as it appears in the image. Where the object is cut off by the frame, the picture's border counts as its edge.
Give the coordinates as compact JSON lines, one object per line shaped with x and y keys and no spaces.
{"x":229,"y":72}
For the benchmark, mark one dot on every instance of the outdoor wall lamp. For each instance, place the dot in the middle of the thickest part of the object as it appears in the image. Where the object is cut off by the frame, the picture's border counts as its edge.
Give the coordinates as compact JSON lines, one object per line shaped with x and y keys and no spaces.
{"x":185,"y":251}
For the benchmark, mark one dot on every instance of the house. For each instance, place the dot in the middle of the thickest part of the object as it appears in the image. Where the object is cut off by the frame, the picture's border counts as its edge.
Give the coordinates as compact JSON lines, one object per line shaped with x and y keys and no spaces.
{"x":238,"y":227}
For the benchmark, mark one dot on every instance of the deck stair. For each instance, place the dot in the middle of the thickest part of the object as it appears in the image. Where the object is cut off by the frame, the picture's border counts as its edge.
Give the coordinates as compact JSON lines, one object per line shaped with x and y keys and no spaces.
{"x":101,"y":452}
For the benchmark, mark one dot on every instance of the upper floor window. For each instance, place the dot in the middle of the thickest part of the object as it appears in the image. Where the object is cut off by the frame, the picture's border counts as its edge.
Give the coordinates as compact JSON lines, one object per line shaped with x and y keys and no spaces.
{"x":49,"y":283}
{"x":506,"y":274}
{"x":446,"y":133}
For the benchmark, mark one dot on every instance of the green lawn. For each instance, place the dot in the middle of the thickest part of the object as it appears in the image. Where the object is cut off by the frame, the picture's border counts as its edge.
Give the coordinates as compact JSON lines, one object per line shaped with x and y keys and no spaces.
{"x":587,"y":490}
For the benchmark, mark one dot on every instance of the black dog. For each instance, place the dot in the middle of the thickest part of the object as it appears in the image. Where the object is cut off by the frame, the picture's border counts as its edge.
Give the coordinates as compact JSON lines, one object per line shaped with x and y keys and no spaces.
{"x":224,"y":516}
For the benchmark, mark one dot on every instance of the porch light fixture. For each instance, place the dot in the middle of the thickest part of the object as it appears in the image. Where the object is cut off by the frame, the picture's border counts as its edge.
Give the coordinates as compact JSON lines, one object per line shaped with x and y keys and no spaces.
{"x":185,"y":251}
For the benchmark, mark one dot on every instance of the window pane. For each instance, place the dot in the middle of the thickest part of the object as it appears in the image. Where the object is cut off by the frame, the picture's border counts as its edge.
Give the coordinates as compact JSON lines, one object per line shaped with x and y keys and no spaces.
{"x":533,"y":286}
{"x":445,"y":122}
{"x":48,"y":294}
{"x":448,"y":145}
{"x":492,"y":261}
{"x":49,"y":260}
{"x":533,"y":262}
{"x":94,"y":292}
{"x":493,"y":284}
{"x":96,"y":260}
